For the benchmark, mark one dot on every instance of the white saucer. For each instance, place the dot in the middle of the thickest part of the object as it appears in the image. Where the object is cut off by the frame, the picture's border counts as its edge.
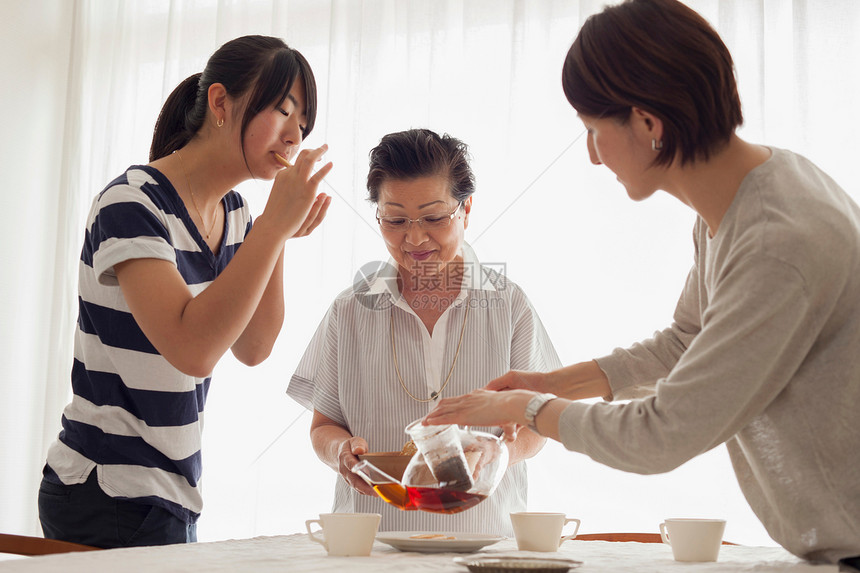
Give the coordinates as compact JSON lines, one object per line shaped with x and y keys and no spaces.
{"x":463,"y":542}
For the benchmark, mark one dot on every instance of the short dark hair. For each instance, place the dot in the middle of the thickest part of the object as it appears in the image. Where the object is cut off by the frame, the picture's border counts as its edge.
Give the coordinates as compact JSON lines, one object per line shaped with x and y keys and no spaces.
{"x":421,"y":153}
{"x":662,"y":57}
{"x":263,"y":66}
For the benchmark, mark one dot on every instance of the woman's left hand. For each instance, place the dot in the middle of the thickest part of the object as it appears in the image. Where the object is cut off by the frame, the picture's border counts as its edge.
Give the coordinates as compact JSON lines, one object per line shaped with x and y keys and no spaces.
{"x":482,"y":408}
{"x":315,"y":216}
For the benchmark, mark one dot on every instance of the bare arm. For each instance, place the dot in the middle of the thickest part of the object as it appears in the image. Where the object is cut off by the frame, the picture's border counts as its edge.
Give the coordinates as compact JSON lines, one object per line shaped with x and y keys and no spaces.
{"x":574,"y":382}
{"x":338,"y":449}
{"x":192,"y":333}
{"x":504,"y":401}
{"x":526,"y":445}
{"x":491,"y":408}
{"x":256,"y":342}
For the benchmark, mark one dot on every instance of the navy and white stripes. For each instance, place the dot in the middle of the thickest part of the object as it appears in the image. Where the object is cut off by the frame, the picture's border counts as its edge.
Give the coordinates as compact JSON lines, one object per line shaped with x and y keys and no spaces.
{"x":134,"y":417}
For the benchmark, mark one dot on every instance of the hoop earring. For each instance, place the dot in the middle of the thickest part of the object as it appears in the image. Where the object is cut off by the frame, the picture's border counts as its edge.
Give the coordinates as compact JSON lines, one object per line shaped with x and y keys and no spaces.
{"x":220,"y":122}
{"x":656,"y":145}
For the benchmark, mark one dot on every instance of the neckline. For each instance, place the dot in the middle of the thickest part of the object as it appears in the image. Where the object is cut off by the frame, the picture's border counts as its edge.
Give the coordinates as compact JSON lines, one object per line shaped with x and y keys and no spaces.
{"x":185,"y":215}
{"x":745,"y":183}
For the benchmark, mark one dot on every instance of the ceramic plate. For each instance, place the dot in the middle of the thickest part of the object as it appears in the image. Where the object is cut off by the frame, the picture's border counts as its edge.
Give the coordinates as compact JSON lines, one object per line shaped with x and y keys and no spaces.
{"x":461,"y":543}
{"x":502,"y":564}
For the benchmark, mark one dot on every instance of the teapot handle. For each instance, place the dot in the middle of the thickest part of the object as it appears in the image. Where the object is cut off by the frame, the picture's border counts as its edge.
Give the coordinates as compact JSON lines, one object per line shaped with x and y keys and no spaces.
{"x":371,"y":474}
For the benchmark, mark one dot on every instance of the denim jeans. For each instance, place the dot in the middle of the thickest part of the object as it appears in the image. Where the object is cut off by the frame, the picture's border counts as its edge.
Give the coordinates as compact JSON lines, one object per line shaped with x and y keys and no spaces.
{"x":83,"y":513}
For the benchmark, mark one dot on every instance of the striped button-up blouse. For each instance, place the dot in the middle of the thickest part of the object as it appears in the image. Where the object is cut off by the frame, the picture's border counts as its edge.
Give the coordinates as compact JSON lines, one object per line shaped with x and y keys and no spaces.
{"x":348,"y":374}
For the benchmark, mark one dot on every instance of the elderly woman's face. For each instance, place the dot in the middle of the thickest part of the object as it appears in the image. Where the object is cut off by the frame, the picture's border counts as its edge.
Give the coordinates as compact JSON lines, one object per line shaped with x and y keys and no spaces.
{"x":419,"y":249}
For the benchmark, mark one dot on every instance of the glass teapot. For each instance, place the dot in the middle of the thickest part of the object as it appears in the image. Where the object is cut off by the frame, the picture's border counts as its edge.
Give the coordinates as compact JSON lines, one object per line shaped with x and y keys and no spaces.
{"x":454,"y":469}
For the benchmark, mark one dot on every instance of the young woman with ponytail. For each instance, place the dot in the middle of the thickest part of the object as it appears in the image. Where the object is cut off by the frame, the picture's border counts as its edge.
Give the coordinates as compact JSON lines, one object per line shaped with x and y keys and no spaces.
{"x":165,"y":291}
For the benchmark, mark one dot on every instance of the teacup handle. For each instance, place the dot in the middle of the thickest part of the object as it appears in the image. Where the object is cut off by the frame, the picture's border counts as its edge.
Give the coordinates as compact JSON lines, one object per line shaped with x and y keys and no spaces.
{"x":575,"y":531}
{"x":664,"y":535}
{"x":311,"y":533}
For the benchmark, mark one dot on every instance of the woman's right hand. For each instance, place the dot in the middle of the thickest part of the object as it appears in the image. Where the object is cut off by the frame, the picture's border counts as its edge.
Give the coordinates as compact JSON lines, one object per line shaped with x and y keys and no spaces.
{"x":293,"y":207}
{"x":347,"y":458}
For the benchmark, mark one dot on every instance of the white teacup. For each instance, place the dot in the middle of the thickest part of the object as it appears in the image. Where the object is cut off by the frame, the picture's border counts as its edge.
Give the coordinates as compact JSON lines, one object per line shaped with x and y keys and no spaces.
{"x":346,"y":534}
{"x":539,"y":531}
{"x":693,"y":539}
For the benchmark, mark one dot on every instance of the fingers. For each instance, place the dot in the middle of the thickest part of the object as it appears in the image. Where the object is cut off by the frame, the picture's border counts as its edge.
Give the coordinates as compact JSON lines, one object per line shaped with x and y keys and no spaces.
{"x":358,"y":446}
{"x":356,"y":482}
{"x":510,"y":431}
{"x":315,"y":216}
{"x":294,"y":208}
{"x":348,"y":450}
{"x":307,"y":158}
{"x":477,"y":408}
{"x":515,"y":379}
{"x":444,"y":412}
{"x":501,"y":383}
{"x":351,"y":448}
{"x":321,"y":173}
{"x":319,"y":212}
{"x":304,"y":164}
{"x":361,"y":486}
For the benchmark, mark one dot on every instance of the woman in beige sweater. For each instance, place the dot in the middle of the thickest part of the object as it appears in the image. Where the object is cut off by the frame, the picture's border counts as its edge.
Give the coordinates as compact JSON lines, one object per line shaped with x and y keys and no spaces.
{"x":763,"y":351}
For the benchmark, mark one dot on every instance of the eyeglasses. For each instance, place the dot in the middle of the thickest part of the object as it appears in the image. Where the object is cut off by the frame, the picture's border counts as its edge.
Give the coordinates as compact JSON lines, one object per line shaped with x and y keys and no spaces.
{"x":430,"y":221}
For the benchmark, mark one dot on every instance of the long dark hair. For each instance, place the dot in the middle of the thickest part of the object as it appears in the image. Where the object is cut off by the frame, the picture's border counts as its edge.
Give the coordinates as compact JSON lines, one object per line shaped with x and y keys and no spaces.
{"x":421,"y":153}
{"x":662,"y":57}
{"x":262,"y":65}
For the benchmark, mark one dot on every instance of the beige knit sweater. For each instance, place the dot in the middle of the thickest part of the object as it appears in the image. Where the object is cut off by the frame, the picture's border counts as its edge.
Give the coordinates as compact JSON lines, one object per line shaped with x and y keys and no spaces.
{"x":763,"y":355}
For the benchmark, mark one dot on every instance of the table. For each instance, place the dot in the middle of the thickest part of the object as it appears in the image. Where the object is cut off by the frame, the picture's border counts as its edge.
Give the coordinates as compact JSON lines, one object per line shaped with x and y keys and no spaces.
{"x":289,"y":553}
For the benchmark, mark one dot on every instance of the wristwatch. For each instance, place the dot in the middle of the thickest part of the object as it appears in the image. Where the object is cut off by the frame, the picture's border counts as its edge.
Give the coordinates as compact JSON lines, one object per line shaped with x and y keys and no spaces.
{"x":534,"y":406}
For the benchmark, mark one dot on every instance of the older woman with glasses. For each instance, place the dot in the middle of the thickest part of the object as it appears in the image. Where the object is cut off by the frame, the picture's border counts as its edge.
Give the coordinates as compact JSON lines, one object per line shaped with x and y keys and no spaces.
{"x":432,"y":322}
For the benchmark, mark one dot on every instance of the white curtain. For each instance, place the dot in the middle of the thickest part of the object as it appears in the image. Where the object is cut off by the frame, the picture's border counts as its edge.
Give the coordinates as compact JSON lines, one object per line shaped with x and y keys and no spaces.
{"x":601,"y":270}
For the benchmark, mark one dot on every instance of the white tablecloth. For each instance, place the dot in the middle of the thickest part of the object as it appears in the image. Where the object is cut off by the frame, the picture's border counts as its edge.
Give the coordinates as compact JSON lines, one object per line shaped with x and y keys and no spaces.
{"x":291,"y":553}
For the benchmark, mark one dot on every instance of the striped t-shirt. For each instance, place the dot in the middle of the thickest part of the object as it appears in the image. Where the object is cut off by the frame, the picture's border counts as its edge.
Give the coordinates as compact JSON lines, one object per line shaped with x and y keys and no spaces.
{"x":347,"y":374}
{"x":134,"y":417}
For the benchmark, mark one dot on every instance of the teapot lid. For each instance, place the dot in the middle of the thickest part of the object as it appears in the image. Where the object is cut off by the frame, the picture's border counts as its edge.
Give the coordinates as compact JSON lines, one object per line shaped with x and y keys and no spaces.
{"x":418,"y":430}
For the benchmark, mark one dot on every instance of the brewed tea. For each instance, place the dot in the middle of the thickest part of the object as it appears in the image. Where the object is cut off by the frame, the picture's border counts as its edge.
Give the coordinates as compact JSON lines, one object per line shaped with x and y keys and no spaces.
{"x":395,"y":494}
{"x":439,"y":500}
{"x":432,"y":499}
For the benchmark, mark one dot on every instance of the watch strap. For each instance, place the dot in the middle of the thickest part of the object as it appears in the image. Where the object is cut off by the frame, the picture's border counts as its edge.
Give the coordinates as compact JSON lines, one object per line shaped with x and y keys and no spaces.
{"x":534,"y":406}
